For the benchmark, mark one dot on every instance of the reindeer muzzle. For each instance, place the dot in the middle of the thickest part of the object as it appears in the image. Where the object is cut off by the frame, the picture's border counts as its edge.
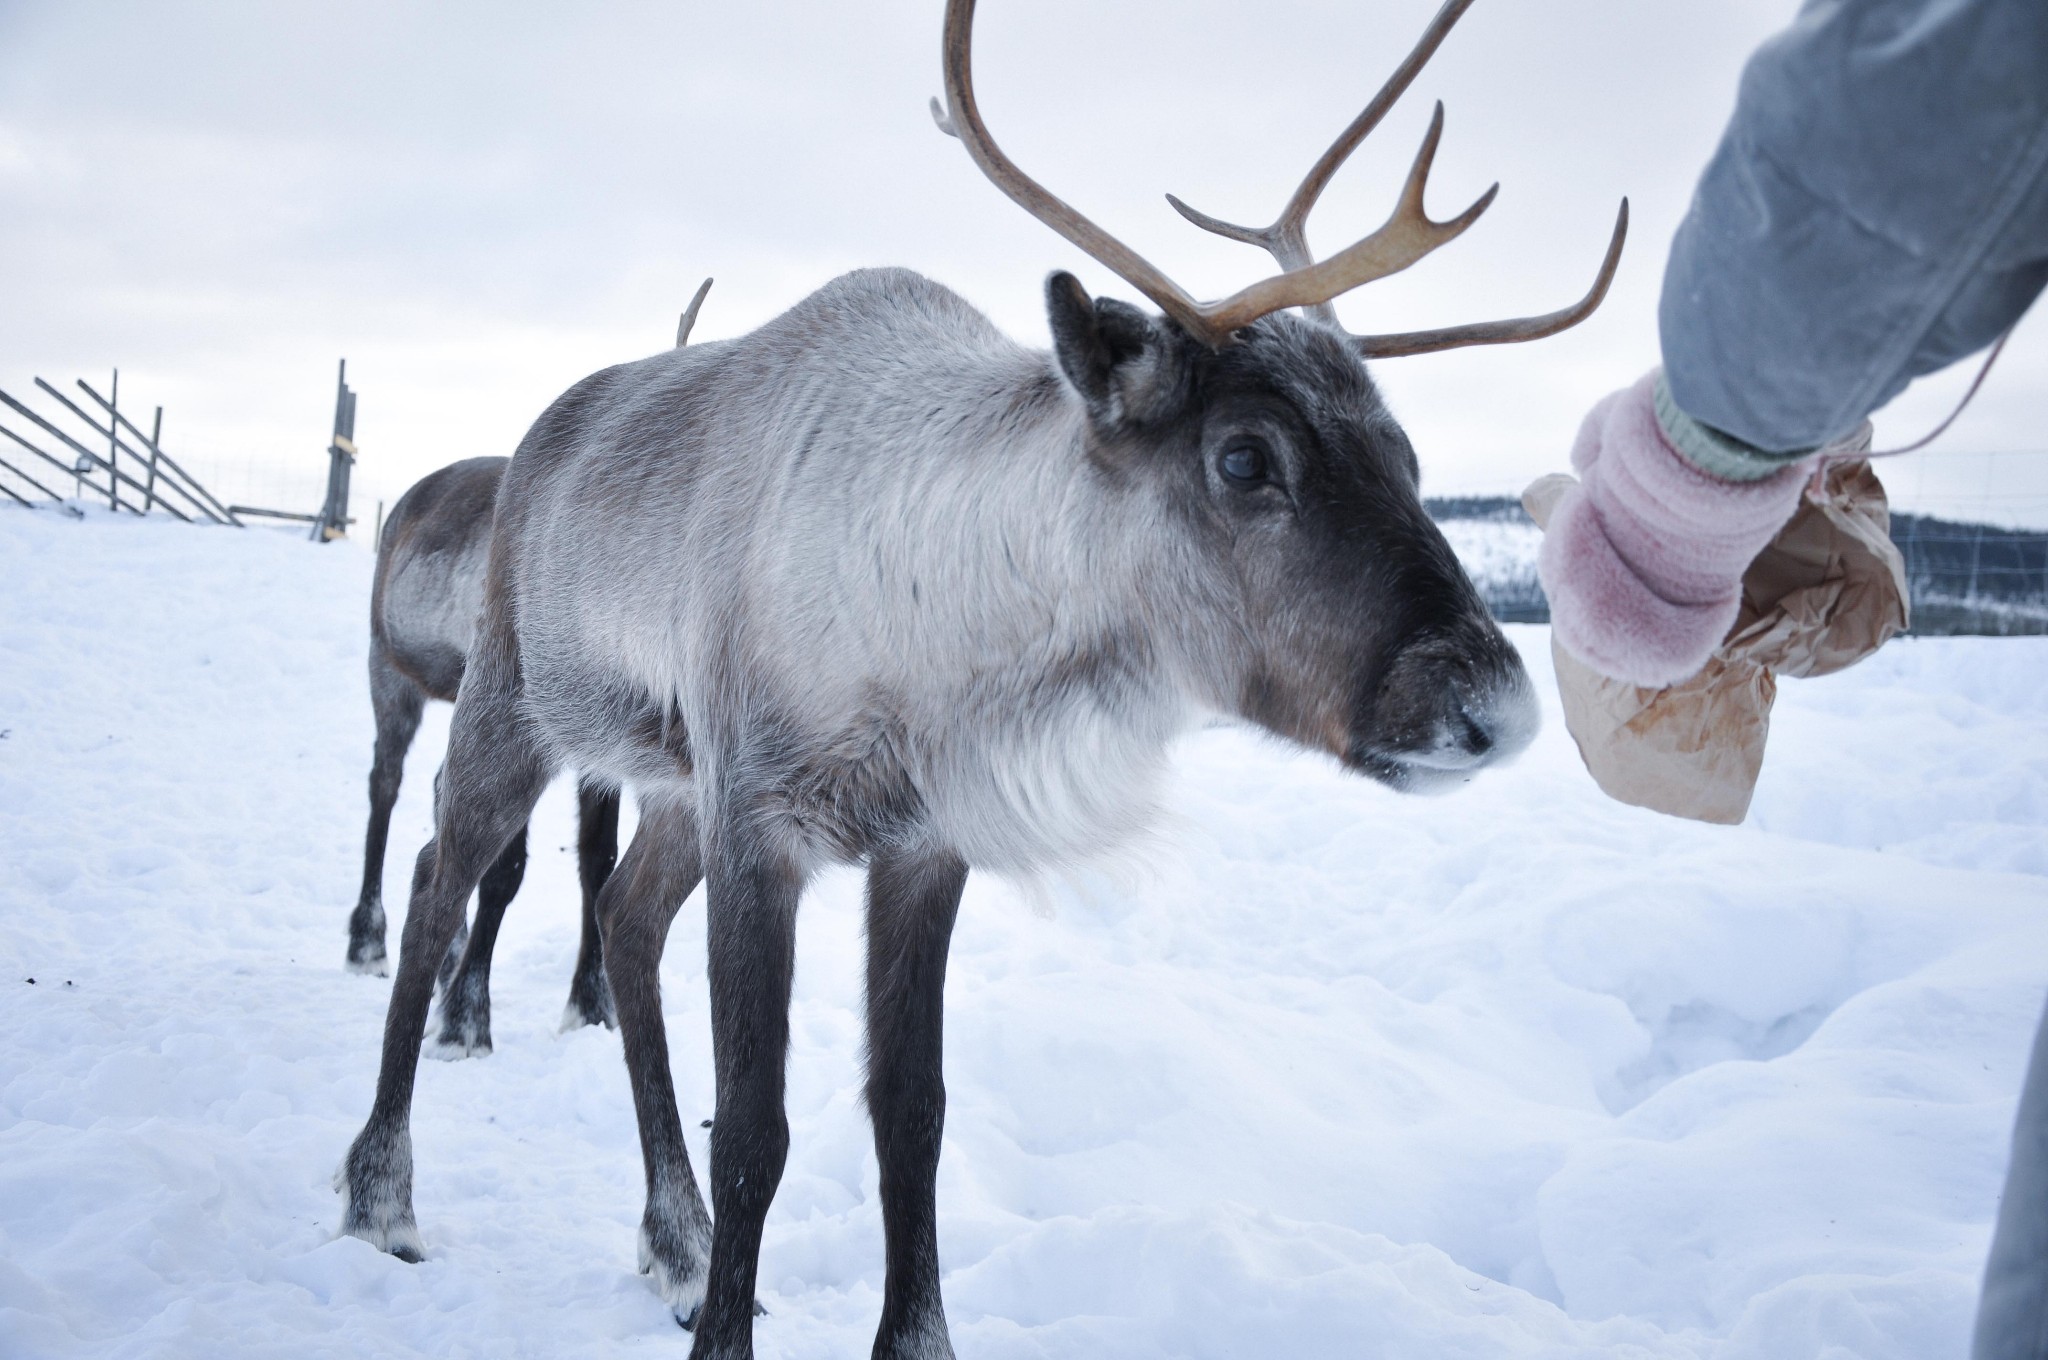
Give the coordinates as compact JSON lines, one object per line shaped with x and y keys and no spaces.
{"x":1446,"y":709}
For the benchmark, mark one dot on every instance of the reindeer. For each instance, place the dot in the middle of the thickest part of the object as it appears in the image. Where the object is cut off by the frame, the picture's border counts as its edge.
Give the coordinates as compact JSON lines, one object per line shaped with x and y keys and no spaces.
{"x":429,"y":584}
{"x":423,"y":606}
{"x":876,"y":584}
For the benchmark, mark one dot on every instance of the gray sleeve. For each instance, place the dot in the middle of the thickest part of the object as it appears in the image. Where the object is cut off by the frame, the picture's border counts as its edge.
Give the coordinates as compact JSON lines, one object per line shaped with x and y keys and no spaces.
{"x":1877,"y":209}
{"x":2012,"y":1314}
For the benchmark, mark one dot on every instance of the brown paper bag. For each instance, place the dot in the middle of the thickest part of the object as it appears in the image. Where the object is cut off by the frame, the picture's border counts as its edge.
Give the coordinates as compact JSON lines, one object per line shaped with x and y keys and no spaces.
{"x":1827,"y":592}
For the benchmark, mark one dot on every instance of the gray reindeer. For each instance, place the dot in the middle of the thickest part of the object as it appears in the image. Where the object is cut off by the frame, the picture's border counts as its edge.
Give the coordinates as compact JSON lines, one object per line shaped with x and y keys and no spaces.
{"x":424,"y":599}
{"x":876,"y":584}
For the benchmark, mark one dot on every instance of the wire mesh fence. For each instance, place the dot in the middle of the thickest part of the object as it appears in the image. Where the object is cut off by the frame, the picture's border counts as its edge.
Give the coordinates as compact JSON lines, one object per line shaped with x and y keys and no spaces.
{"x":295,"y":483}
{"x":1965,"y":573}
{"x":1974,"y":578}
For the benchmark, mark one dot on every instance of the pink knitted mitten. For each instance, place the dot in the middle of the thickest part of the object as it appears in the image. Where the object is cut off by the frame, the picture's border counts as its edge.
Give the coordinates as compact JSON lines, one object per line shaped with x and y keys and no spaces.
{"x":1643,"y":559}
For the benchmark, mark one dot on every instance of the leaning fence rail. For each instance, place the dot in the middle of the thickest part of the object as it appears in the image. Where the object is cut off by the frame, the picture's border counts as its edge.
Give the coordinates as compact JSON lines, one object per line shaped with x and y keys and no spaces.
{"x":158,"y":458}
{"x":100,"y":474}
{"x":85,"y":445}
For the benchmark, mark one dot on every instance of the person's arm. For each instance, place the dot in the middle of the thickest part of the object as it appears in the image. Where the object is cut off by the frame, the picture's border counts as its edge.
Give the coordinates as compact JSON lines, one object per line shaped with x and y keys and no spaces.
{"x":2012,"y":1312}
{"x":1877,"y":209}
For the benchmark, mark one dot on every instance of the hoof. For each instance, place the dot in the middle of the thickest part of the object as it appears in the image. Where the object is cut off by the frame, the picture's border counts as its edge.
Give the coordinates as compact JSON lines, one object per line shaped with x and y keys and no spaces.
{"x":368,"y":957}
{"x":371,"y":967}
{"x":445,"y":1049}
{"x":689,"y":1322}
{"x":579,"y":1013}
{"x":366,"y":939}
{"x":461,"y":1036}
{"x":465,"y":1014}
{"x":590,"y":999}
{"x":375,"y":1181}
{"x":678,"y":1275}
{"x":676,"y":1260}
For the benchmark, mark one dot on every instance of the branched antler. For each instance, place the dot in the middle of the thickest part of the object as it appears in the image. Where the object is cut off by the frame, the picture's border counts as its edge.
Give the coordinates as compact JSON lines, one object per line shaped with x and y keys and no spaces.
{"x":1504,"y":332}
{"x":1286,"y":238}
{"x":1408,"y":235}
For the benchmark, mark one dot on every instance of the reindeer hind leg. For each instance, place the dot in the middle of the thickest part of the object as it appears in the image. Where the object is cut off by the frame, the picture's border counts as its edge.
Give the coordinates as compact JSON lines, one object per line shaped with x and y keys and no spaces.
{"x":635,"y":908}
{"x":597,"y":849}
{"x":397,"y":703}
{"x":466,"y":995}
{"x":493,"y":776}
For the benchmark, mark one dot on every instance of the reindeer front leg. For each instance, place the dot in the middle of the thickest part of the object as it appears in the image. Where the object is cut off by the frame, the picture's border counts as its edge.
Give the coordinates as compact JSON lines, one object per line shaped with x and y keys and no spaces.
{"x":752,"y":894}
{"x":913,"y":898}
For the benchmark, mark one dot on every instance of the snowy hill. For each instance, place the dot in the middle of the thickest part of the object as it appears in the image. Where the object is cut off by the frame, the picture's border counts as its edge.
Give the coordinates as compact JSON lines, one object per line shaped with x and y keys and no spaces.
{"x":1328,"y":1073}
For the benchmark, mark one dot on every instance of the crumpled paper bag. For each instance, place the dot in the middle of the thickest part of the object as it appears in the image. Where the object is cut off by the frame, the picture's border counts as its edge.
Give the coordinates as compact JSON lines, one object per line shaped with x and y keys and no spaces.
{"x":1827,"y":592}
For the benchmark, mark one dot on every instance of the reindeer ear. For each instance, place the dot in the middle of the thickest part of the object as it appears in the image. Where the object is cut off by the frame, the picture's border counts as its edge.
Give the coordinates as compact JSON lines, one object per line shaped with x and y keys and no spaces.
{"x":1128,"y":367}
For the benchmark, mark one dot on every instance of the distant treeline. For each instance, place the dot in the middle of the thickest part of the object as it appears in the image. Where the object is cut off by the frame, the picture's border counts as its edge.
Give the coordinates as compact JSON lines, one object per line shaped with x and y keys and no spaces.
{"x":1495,"y":509}
{"x":1964,"y":578}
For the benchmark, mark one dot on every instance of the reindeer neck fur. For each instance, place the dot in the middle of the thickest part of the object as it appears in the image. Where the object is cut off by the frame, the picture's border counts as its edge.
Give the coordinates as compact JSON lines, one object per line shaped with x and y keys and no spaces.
{"x":1028,"y":630}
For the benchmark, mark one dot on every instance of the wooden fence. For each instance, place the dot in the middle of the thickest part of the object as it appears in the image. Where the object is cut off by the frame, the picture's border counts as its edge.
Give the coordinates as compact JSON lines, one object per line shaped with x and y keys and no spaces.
{"x":74,"y":453}
{"x":85,"y":446}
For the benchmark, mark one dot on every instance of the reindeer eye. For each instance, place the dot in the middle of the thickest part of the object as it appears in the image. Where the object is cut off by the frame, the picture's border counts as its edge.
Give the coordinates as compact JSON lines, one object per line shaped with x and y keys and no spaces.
{"x":1245,"y":464}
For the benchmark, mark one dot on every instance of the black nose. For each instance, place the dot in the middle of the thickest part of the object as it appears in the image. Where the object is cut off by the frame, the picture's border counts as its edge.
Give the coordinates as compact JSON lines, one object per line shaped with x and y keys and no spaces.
{"x":1447,"y":707}
{"x":1468,"y":731}
{"x":1477,"y":738}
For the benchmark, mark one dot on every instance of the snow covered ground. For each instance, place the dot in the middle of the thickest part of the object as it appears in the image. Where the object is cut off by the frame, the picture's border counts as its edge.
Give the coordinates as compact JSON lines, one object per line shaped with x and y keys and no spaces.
{"x":1330,"y":1073}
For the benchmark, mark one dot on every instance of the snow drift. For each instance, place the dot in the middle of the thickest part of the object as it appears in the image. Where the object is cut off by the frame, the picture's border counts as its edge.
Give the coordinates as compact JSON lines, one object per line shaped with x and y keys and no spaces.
{"x":1326,"y":1072}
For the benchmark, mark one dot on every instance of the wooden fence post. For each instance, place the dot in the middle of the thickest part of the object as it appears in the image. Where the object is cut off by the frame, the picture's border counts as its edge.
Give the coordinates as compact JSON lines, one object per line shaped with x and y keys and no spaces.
{"x":156,"y":434}
{"x":114,"y":451}
{"x":332,"y":522}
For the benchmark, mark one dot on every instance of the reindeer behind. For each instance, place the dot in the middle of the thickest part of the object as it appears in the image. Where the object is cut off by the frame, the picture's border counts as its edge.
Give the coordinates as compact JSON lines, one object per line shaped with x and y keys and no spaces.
{"x":424,"y":599}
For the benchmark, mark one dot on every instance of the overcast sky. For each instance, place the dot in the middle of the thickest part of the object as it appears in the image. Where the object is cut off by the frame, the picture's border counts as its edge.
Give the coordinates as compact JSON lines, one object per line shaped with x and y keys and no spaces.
{"x":479,"y":203}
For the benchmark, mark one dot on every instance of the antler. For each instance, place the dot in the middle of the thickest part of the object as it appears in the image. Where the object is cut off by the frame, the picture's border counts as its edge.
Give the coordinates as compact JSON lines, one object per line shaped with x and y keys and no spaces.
{"x":1287,"y":241}
{"x":689,"y":318}
{"x":1521,"y":328}
{"x":1408,"y":235}
{"x":1286,"y":238}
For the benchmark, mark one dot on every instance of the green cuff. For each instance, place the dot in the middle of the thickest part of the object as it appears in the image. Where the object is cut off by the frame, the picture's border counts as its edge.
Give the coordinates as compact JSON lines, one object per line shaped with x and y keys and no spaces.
{"x":1712,"y":452}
